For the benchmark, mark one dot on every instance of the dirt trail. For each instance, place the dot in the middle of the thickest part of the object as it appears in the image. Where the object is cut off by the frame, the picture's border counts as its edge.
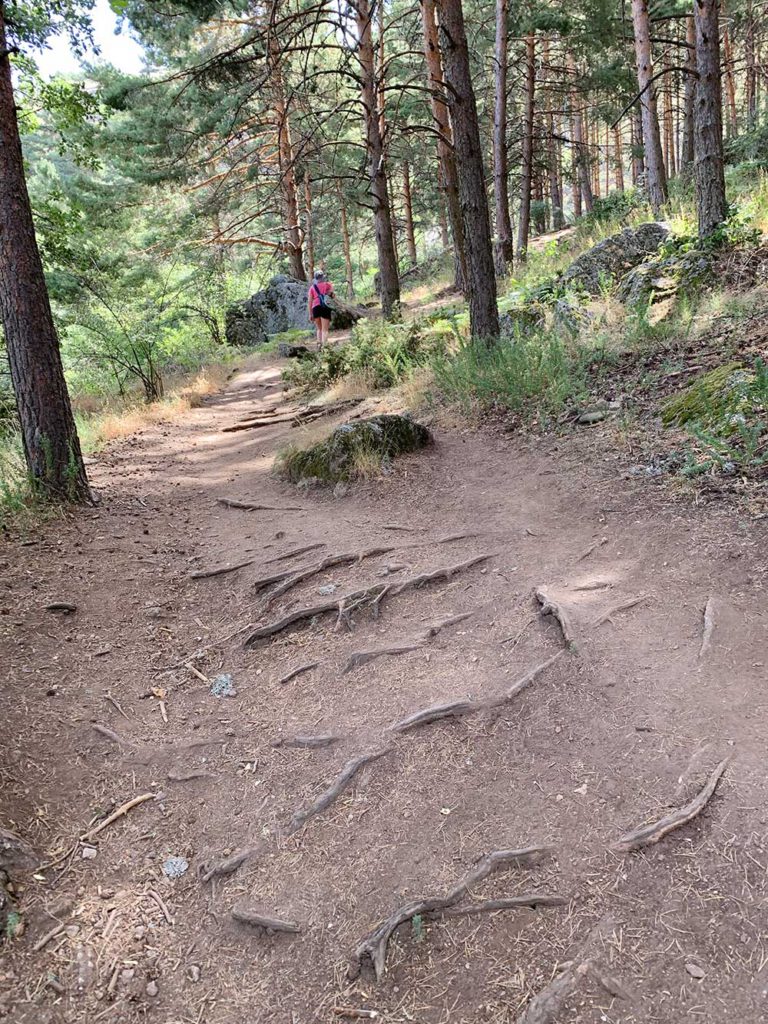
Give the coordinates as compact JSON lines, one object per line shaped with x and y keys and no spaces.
{"x":625,"y":725}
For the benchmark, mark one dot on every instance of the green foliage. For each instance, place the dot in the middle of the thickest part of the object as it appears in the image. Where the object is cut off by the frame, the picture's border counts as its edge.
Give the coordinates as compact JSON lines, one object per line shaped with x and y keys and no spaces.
{"x":533,"y":376}
{"x":384,"y":353}
{"x":615,"y":207}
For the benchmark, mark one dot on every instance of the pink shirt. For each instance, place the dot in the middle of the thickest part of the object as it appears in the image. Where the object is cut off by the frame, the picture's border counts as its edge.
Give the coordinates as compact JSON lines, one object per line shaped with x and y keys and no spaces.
{"x":324,"y":287}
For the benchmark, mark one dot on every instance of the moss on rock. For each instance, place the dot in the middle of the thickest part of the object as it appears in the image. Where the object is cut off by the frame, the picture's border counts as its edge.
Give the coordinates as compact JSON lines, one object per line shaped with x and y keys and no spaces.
{"x":354,"y":448}
{"x":712,"y":398}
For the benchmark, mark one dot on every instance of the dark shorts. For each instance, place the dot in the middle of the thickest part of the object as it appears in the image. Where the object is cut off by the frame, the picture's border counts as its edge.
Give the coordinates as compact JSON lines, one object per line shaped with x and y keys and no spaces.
{"x":321,"y":313}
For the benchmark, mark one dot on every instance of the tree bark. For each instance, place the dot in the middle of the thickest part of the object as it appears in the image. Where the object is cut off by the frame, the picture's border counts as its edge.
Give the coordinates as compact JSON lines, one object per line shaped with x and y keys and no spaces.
{"x":481,"y":278}
{"x":379,"y":192}
{"x":618,"y":156}
{"x":750,"y":80}
{"x":49,"y":436}
{"x":288,"y":187}
{"x":410,"y":233}
{"x":669,"y":127}
{"x":732,"y":121}
{"x":526,"y":173}
{"x":445,"y":150}
{"x":580,"y":154}
{"x":345,"y":243}
{"x":656,"y":178}
{"x":553,"y":158}
{"x":310,"y":233}
{"x":689,"y":95}
{"x":710,"y":174}
{"x":504,"y":241}
{"x":442,"y":217}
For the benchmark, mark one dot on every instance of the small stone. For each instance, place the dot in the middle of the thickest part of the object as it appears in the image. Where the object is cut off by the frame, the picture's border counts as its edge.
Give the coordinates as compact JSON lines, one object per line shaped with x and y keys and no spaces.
{"x":341,"y":490}
{"x":72,"y":930}
{"x":152,"y":989}
{"x":194,"y":973}
{"x":138,"y":933}
{"x":695,"y":971}
{"x":127,"y":975}
{"x":329,"y":588}
{"x":221,"y":686}
{"x":89,"y":853}
{"x":175,"y":867}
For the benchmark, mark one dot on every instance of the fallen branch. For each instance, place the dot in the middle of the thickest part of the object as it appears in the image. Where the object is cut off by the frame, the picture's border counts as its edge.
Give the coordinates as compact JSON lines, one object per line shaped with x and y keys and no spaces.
{"x":257,"y":920}
{"x":124,"y":809}
{"x":61,"y":606}
{"x":533,"y":900}
{"x":43,"y":941}
{"x":295,"y":553}
{"x":551,"y":607}
{"x":347,"y":774}
{"x":204,"y":574}
{"x":306,"y":741}
{"x":228,"y":866}
{"x":649,"y":834}
{"x":588,"y":552}
{"x":709,"y":627}
{"x":156,"y":898}
{"x":454,"y":709}
{"x":371,"y":597}
{"x":297,"y":672}
{"x":623,"y":606}
{"x":248,"y":506}
{"x":373,"y":947}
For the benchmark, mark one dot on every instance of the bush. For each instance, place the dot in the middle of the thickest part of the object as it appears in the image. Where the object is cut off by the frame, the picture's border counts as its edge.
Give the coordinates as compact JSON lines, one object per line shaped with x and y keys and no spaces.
{"x":533,"y":376}
{"x":382,"y":352}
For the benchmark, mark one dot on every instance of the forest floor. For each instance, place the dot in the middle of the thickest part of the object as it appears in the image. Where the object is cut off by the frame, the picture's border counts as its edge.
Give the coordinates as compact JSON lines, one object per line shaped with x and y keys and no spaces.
{"x":113,"y":701}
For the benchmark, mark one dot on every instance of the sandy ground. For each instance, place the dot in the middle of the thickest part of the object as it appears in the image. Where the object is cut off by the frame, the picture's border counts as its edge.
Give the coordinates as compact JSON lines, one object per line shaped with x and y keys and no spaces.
{"x":113,"y":701}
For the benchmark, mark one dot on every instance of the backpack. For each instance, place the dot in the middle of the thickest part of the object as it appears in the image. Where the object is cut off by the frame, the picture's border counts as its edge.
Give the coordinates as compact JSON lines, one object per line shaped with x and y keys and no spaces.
{"x":322,"y":302}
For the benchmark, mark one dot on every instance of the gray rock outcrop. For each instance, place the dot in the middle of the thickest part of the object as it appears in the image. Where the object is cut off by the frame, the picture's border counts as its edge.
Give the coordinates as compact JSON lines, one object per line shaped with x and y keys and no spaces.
{"x":610,"y":260}
{"x":281,"y":306}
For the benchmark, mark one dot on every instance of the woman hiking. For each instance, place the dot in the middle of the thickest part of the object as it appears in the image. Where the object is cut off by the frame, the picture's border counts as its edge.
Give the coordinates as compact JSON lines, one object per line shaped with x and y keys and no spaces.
{"x":319,"y":310}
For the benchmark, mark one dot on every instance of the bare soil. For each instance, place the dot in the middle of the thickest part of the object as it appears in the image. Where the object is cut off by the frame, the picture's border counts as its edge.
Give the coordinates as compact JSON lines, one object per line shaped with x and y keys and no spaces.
{"x":626,"y":724}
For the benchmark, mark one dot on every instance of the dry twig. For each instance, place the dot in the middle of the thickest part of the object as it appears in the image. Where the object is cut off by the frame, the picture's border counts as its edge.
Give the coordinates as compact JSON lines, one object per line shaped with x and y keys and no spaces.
{"x":124,"y":809}
{"x":258,"y":920}
{"x":300,"y":670}
{"x":228,"y":866}
{"x":709,"y":627}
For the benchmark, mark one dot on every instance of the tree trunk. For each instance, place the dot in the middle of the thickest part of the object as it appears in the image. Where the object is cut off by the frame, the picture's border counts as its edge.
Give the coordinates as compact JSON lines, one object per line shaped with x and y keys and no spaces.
{"x":656,"y":178}
{"x":442,"y":217}
{"x":669,"y":128}
{"x":526,"y":173}
{"x":51,"y":444}
{"x":750,"y":81}
{"x":309,"y":234}
{"x":553,"y":157}
{"x":732,"y":120}
{"x":288,"y":188}
{"x":638,"y":158}
{"x":618,"y":154}
{"x":689,"y":95}
{"x":580,"y":154}
{"x":445,"y":150}
{"x":379,"y":192}
{"x":345,"y":243}
{"x":481,"y":278}
{"x":504,"y":241}
{"x":710,"y":175}
{"x":410,"y":233}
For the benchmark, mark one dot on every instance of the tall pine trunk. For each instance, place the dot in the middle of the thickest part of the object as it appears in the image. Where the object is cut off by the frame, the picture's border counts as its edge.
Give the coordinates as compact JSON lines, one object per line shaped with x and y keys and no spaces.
{"x":526,"y":173}
{"x":732,"y":120}
{"x":710,"y":174}
{"x":750,"y":80}
{"x":51,"y":444}
{"x":288,"y":187}
{"x":445,"y":150}
{"x":618,"y":156}
{"x":580,"y":154}
{"x":481,"y":277}
{"x":504,"y":242}
{"x":309,"y":233}
{"x":656,"y":177}
{"x":689,"y":95}
{"x":410,"y":233}
{"x":379,"y":192}
{"x":345,"y":243}
{"x":553,"y":157}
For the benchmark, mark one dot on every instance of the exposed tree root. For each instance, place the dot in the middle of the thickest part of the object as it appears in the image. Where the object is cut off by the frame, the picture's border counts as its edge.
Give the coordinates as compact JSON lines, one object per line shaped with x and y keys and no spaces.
{"x":124,"y":809}
{"x":108,"y":734}
{"x":370,"y":597}
{"x":521,"y":683}
{"x":348,"y":772}
{"x":295,"y":553}
{"x":359,"y":658}
{"x":373,"y":947}
{"x":453,"y":709}
{"x":302,"y":574}
{"x":404,"y":529}
{"x":228,"y":866}
{"x":536,"y":899}
{"x":188,"y":776}
{"x":648,"y":834}
{"x":257,"y":920}
{"x":204,"y":574}
{"x":249,"y":506}
{"x":591,"y":548}
{"x":306,"y":741}
{"x":550,"y":607}
{"x":307,"y":415}
{"x":300,"y":670}
{"x":436,"y":627}
{"x":709,"y":627}
{"x":623,"y":606}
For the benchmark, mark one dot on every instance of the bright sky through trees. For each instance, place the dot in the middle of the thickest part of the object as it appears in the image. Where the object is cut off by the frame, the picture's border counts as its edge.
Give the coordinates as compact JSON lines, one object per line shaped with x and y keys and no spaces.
{"x":114,"y":47}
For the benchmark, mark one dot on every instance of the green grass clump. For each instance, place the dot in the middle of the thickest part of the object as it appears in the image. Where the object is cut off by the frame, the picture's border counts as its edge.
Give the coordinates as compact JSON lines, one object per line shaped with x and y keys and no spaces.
{"x":353,"y":450}
{"x":534,"y":375}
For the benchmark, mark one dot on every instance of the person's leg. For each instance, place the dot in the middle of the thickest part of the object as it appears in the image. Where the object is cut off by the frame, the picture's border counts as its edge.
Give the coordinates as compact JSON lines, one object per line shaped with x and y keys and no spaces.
{"x":326,"y":326}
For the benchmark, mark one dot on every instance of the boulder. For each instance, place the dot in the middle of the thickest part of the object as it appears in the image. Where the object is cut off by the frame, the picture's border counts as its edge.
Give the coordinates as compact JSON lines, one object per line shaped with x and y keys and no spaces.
{"x":521,"y":319}
{"x":373,"y":441}
{"x":286,"y":350}
{"x":611,"y":259}
{"x":571,"y":317}
{"x":665,"y":276}
{"x":281,"y":306}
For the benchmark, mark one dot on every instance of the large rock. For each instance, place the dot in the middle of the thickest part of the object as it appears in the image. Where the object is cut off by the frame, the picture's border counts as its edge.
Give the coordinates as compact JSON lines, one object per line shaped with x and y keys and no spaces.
{"x":611,"y":259}
{"x":281,"y":306}
{"x":664,"y":276}
{"x":354,"y":446}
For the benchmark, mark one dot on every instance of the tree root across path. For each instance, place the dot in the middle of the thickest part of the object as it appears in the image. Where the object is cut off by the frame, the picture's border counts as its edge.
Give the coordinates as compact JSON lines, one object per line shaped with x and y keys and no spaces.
{"x":292,"y":578}
{"x":367,"y":597}
{"x":254,"y":918}
{"x":358,"y":658}
{"x":296,"y":417}
{"x":622,"y":606}
{"x":249,"y":506}
{"x":373,"y":947}
{"x":310,"y":742}
{"x":649,"y":834}
{"x":552,"y":607}
{"x":228,"y":866}
{"x":348,"y":772}
{"x":204,"y":574}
